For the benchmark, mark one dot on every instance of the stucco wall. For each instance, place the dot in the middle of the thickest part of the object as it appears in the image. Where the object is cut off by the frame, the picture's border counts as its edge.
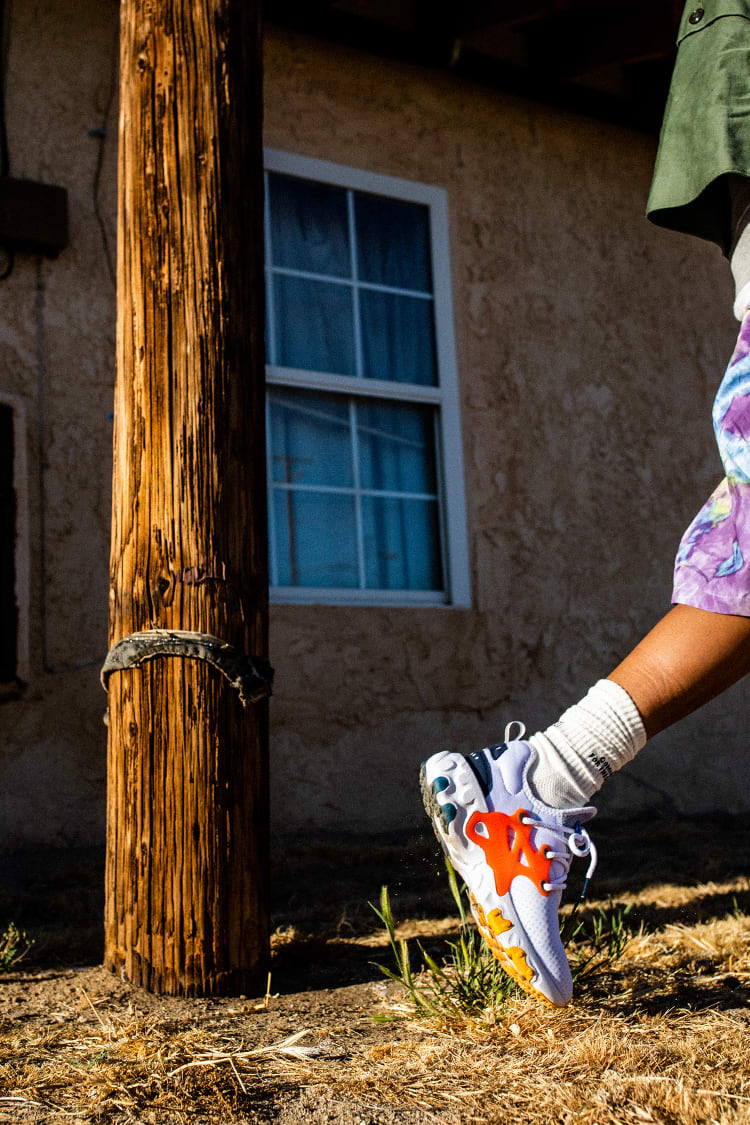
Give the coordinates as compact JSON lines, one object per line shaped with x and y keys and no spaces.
{"x":589,"y":346}
{"x":57,"y":359}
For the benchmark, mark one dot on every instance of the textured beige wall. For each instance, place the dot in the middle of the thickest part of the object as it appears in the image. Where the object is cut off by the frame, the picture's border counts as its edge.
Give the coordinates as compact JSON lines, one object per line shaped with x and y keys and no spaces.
{"x":589,"y":347}
{"x":57,"y":356}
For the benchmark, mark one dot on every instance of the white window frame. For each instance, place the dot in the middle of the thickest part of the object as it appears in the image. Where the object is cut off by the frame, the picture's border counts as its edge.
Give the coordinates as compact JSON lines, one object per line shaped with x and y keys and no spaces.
{"x":444,"y":396}
{"x":22,"y":566}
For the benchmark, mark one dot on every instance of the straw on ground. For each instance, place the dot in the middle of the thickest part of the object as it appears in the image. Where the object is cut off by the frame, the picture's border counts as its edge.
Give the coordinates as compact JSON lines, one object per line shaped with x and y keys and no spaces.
{"x":660,"y":1036}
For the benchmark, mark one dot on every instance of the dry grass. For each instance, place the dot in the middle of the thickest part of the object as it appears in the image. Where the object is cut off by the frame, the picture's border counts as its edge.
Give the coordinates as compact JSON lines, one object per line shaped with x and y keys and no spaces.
{"x":139,"y":1069}
{"x":572,"y":1067}
{"x":660,"y":1037}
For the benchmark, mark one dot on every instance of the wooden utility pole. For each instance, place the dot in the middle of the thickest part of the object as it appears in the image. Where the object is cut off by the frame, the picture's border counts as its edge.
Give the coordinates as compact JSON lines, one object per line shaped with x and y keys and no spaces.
{"x":186,"y":881}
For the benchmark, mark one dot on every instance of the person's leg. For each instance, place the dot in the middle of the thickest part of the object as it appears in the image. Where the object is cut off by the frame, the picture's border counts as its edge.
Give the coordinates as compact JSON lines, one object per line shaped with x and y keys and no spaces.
{"x":700,"y":648}
{"x":688,"y":658}
{"x":510,"y":816}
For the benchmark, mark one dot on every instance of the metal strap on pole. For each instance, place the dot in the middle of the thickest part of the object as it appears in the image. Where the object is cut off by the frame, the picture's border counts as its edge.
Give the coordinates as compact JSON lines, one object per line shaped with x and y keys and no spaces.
{"x":250,"y":676}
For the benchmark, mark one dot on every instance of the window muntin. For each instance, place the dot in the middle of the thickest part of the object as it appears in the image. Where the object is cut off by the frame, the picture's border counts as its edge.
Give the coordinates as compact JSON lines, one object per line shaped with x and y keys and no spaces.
{"x":363,"y":403}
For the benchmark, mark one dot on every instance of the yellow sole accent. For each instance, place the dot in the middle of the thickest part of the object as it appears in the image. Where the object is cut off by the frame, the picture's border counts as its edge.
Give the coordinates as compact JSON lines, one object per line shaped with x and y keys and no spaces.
{"x":518,"y":957}
{"x":497,"y":923}
{"x":478,"y":912}
{"x":509,"y":966}
{"x":511,"y":960}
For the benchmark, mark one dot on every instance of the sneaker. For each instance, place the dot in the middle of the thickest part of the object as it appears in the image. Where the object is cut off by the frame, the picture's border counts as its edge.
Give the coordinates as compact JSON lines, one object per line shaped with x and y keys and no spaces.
{"x":513,"y":852}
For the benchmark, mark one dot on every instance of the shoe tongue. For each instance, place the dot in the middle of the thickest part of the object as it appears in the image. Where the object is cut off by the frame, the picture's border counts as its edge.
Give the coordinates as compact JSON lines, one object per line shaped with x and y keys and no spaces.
{"x":513,"y":764}
{"x":564,"y":818}
{"x":567,"y":818}
{"x":571,"y":817}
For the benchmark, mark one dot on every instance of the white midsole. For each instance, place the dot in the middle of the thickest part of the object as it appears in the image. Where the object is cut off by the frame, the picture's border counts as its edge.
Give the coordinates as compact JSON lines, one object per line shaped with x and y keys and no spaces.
{"x":465,"y":794}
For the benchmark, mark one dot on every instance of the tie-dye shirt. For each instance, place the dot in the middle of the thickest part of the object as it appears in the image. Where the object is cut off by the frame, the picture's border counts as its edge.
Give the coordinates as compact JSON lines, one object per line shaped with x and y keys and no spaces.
{"x":712,"y":569}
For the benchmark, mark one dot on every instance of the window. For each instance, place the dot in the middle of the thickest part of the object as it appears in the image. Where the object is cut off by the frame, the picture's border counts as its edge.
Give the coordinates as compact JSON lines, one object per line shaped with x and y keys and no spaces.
{"x":14,"y":548}
{"x":366,"y":501}
{"x":8,"y":617}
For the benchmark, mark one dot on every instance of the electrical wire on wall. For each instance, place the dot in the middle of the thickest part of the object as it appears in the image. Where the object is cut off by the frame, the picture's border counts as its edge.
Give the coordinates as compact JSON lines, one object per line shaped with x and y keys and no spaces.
{"x":43,"y":468}
{"x":7,"y":261}
{"x":99,"y":134}
{"x":7,"y":257}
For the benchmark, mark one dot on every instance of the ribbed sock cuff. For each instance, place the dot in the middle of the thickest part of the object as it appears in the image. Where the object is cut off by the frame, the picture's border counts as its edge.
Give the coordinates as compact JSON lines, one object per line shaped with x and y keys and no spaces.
{"x":591,"y":740}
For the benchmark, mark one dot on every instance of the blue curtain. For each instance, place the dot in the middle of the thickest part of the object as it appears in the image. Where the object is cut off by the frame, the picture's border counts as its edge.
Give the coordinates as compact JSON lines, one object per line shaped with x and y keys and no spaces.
{"x":401,"y":536}
{"x":393,"y":242}
{"x":397,"y":338}
{"x":314,"y":325}
{"x":315,"y":531}
{"x":309,"y":226}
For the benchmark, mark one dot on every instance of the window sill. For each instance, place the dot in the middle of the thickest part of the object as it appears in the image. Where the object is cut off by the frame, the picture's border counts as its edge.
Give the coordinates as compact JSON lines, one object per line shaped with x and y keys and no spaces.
{"x":367,"y":599}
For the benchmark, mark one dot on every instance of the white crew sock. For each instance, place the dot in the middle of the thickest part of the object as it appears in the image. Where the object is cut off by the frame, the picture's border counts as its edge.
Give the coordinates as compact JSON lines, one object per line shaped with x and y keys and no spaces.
{"x":585,"y":746}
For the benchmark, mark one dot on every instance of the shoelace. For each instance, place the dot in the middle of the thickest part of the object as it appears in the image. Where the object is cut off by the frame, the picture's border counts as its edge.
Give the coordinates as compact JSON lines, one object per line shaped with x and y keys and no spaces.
{"x":577,"y":840}
{"x":578,"y":843}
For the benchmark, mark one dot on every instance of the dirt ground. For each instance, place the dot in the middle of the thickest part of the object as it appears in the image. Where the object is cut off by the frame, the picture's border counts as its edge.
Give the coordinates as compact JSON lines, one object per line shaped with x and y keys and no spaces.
{"x":78,"y":1044}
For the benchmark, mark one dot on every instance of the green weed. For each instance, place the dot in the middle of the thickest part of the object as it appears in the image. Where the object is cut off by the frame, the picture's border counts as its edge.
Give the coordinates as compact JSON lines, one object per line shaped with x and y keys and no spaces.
{"x":598,"y":943}
{"x":469,"y":982}
{"x":14,"y":945}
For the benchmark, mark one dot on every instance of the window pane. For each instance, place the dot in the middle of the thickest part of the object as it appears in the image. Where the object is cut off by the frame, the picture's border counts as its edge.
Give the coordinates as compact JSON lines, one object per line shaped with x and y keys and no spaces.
{"x":393,"y":242}
{"x":316,"y":542}
{"x":309,"y":226}
{"x":396,"y":447}
{"x":402,"y":544}
{"x":397,"y":338}
{"x":314,"y":325}
{"x":310,"y":439}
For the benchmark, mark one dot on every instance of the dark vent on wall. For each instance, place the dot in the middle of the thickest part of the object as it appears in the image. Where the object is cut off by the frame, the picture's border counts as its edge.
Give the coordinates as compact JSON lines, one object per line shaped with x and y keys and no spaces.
{"x":8,"y":612}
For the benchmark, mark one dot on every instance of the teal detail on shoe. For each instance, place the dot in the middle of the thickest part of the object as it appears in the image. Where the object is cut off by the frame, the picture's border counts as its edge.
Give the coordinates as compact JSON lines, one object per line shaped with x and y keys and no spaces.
{"x":448,"y":813}
{"x":440,"y":784}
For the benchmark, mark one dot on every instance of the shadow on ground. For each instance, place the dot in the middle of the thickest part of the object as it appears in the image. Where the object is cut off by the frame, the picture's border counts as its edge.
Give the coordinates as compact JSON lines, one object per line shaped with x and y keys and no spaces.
{"x":322,"y":886}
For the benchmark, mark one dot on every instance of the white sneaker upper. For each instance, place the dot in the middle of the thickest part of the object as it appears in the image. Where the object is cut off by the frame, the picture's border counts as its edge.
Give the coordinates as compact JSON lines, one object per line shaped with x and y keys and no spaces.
{"x":514,"y":852}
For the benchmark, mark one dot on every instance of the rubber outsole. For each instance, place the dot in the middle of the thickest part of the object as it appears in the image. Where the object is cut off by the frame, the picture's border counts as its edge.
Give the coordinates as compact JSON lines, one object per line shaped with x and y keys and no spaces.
{"x":512,"y":960}
{"x":433,"y":808}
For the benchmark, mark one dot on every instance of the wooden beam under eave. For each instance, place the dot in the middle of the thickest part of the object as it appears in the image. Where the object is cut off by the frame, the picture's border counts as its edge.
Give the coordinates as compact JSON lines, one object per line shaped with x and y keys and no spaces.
{"x":436,"y":28}
{"x":549,"y":89}
{"x":476,"y":15}
{"x":579,"y":42}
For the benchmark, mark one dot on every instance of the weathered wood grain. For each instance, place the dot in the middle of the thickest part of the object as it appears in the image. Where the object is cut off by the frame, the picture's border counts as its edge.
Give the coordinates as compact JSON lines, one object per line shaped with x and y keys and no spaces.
{"x":186,"y":879}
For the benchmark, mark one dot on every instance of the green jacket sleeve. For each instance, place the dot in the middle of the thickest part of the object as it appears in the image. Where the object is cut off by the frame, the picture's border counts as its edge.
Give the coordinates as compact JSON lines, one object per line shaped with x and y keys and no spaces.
{"x":706,"y":129}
